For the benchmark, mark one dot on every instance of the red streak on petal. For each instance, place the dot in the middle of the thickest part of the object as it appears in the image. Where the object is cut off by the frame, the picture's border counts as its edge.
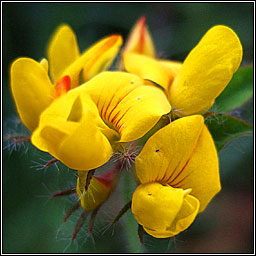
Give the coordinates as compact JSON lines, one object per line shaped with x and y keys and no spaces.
{"x":114,"y":118}
{"x":117,"y":124}
{"x":62,"y":86}
{"x":118,"y":104}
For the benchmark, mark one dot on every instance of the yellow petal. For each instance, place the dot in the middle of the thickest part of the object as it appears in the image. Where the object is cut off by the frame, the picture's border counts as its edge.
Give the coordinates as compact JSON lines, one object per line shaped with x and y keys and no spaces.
{"x":186,"y":215}
{"x":183,"y":155}
{"x":72,"y":131}
{"x":140,"y":40}
{"x":202,"y":171}
{"x":87,"y":148}
{"x":31,"y":89}
{"x":148,"y":69}
{"x":127,"y":105}
{"x":156,"y":206}
{"x":206,"y":71}
{"x":53,"y":126}
{"x":167,"y":151}
{"x":94,"y":60}
{"x":174,"y":66}
{"x":62,"y":51}
{"x":183,"y":220}
{"x":45,"y":65}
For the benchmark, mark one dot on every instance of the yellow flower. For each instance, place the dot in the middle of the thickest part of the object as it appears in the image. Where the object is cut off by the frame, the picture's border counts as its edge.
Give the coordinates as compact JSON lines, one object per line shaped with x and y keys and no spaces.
{"x":179,"y":172}
{"x":82,"y":127}
{"x":192,"y":86}
{"x":33,"y":90}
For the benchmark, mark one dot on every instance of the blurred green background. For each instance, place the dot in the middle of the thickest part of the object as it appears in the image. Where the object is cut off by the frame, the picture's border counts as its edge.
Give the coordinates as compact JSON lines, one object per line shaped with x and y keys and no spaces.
{"x":32,"y":222}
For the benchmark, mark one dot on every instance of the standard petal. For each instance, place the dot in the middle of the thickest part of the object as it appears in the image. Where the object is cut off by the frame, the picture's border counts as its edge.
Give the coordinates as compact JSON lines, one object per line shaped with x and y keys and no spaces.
{"x":201,"y":172}
{"x":31,"y":89}
{"x":156,"y":206}
{"x":62,"y":51}
{"x":126,"y":104}
{"x":140,"y":40}
{"x":167,"y":151}
{"x":94,"y":60}
{"x":206,"y":71}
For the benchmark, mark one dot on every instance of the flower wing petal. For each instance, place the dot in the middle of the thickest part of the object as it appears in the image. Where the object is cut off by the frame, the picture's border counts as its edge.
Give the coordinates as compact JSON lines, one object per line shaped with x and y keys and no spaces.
{"x":186,"y":215}
{"x":72,"y":131}
{"x":156,"y":206}
{"x":206,"y":71}
{"x":183,"y":220}
{"x":31,"y":89}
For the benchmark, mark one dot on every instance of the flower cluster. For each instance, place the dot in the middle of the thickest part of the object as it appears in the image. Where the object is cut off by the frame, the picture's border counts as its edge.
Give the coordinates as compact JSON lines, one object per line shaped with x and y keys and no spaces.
{"x":83,"y":116}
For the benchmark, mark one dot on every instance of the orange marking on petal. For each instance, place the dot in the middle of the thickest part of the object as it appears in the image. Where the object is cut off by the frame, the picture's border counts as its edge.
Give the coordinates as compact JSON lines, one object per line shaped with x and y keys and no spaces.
{"x":62,"y":86}
{"x":107,"y":45}
{"x":142,"y":25}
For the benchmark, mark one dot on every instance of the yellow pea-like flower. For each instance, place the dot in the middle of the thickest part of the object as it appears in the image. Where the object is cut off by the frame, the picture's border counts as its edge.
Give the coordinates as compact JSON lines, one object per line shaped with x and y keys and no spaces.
{"x":179,"y":174}
{"x":192,"y":86}
{"x":82,"y":127}
{"x":33,"y":90}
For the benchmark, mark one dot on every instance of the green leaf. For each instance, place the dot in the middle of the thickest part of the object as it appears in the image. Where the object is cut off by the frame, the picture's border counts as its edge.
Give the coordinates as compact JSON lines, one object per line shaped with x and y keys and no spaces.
{"x":237,"y":92}
{"x":225,"y":127}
